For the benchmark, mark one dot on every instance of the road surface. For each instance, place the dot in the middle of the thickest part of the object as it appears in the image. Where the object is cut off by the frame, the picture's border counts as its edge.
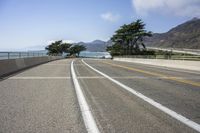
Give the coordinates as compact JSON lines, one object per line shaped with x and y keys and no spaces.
{"x":44,"y":99}
{"x":40,"y":100}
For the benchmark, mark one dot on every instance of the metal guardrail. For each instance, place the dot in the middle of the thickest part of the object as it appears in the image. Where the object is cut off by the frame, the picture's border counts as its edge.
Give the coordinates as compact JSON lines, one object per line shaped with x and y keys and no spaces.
{"x":16,"y":55}
{"x":168,"y":57}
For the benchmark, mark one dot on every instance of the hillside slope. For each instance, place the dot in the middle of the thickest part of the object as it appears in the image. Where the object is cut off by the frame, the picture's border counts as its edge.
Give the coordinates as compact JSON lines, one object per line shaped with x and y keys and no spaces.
{"x":95,"y":46}
{"x":186,"y":35}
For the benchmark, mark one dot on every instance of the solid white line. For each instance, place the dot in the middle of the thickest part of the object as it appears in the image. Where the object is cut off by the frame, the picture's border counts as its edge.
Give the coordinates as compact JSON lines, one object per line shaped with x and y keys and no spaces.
{"x":168,"y":111}
{"x":89,"y":121}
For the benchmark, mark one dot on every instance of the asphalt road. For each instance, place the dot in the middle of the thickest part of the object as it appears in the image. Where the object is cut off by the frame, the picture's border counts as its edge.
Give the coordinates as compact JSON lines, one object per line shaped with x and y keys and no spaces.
{"x":43,"y":98}
{"x":40,"y":100}
{"x":116,"y":110}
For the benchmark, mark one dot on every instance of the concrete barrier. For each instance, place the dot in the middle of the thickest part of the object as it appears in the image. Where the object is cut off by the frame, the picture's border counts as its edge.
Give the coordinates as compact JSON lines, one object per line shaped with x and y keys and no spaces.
{"x":180,"y":64}
{"x":10,"y":66}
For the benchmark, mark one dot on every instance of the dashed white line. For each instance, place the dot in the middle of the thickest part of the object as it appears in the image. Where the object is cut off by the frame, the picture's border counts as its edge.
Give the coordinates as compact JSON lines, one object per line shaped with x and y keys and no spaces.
{"x":89,"y":121}
{"x":168,"y":111}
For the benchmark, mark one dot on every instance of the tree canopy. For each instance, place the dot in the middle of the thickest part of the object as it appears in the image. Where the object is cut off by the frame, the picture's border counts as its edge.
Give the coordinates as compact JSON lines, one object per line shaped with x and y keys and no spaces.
{"x":58,"y":48}
{"x":128,"y":39}
{"x":76,"y":49}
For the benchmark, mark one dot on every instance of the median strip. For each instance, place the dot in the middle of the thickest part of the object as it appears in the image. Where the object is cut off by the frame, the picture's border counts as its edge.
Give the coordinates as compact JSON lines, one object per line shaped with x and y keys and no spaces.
{"x":88,"y":118}
{"x":159,"y":106}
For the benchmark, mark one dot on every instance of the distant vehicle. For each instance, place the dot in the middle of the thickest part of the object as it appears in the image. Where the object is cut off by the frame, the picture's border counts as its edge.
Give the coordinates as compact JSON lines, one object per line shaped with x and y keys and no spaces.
{"x":107,"y":56}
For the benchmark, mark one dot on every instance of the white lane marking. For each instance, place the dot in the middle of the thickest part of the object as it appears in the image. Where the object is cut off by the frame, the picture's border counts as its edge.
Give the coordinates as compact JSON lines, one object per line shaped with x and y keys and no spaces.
{"x":168,"y":111}
{"x":89,"y":121}
{"x":39,"y":78}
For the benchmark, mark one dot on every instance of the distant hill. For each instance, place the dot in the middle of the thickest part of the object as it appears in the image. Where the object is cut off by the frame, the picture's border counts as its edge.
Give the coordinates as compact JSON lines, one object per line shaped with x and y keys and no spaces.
{"x":186,"y":35}
{"x":95,"y":46}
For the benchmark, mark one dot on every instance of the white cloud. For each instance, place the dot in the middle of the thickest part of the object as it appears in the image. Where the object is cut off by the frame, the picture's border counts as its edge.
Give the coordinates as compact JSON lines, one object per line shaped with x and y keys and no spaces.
{"x":110,"y":17}
{"x":186,"y":8}
{"x":68,"y":41}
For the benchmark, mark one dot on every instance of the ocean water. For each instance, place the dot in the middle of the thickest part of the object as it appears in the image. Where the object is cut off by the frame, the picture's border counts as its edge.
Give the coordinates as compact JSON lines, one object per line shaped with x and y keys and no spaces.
{"x":88,"y":54}
{"x":15,"y":55}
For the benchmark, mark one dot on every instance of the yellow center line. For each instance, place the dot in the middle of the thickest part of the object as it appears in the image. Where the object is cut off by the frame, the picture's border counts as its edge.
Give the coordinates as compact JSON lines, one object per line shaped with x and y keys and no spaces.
{"x":156,"y":74}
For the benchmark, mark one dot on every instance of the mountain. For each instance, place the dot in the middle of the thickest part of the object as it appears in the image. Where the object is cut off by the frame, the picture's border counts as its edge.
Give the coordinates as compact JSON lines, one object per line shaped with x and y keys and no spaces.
{"x":95,"y":46}
{"x":186,"y":35}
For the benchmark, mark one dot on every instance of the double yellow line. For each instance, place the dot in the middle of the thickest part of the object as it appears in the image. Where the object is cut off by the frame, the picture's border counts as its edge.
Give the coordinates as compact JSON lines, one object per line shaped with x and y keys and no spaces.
{"x":156,"y":74}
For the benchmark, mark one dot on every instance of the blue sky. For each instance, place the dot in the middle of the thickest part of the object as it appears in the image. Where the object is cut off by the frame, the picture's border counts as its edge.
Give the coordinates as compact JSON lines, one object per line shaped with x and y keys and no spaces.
{"x":32,"y":24}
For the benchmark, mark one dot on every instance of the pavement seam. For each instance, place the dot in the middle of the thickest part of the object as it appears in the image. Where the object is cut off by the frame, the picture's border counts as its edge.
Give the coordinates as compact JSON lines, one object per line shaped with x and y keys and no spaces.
{"x":39,"y":78}
{"x":88,"y":118}
{"x":159,"y":106}
{"x":95,"y":77}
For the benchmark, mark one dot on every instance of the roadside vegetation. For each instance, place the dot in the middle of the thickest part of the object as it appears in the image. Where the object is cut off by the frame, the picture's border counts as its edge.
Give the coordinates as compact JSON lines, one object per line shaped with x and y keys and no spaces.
{"x":129,"y":39}
{"x":59,"y":48}
{"x":159,"y":54}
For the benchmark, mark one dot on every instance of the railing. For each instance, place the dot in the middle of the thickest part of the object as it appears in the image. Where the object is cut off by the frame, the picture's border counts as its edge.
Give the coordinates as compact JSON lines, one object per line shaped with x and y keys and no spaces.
{"x":15,"y":55}
{"x":169,"y":57}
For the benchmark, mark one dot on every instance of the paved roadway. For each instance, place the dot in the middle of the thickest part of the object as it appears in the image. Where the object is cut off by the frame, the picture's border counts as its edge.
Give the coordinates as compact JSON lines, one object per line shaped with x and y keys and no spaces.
{"x":42,"y":99}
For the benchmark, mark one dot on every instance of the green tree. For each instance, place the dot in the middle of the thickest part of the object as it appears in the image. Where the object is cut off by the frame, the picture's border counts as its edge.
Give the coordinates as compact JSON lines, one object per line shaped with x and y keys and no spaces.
{"x":65,"y":47}
{"x":131,"y":37}
{"x":54,"y":48}
{"x":136,"y":36}
{"x":115,"y":49}
{"x":76,"y":49}
{"x":120,"y":38}
{"x":58,"y":48}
